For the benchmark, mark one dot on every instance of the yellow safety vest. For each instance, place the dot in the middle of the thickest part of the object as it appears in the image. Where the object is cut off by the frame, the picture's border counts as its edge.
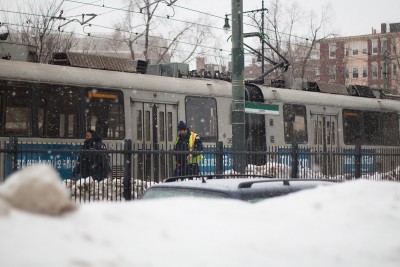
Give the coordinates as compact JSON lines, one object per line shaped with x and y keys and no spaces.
{"x":192,"y":138}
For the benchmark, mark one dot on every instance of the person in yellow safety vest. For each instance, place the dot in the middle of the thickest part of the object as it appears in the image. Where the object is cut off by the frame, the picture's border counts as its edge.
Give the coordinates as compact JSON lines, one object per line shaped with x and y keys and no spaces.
{"x":187,"y":164}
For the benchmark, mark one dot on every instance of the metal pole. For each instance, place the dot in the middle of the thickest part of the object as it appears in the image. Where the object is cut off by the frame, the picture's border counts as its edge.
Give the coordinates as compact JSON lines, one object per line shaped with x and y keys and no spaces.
{"x":262,"y":40}
{"x":238,"y":93}
{"x":385,"y":76}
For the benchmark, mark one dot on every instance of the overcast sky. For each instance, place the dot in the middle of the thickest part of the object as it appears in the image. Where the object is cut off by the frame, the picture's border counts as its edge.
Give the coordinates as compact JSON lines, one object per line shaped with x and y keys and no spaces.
{"x":353,"y":17}
{"x":348,"y":18}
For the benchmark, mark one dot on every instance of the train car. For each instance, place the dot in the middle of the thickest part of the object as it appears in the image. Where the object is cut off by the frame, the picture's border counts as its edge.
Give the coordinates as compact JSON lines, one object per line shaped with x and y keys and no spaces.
{"x":51,"y":106}
{"x":54,"y":105}
{"x":333,"y":122}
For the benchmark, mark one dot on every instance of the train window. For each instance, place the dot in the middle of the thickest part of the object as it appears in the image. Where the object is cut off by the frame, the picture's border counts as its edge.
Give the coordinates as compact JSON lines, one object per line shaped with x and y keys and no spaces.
{"x":390,"y":129}
{"x":16,"y":109}
{"x":170,"y":134}
{"x":295,"y":123}
{"x":161,"y":125}
{"x":105,"y":113}
{"x":201,"y":114}
{"x":352,"y":126}
{"x":315,"y":130}
{"x":370,"y":128}
{"x":57,"y":111}
{"x":328,"y":132}
{"x":139,"y":123}
{"x":147,"y":119}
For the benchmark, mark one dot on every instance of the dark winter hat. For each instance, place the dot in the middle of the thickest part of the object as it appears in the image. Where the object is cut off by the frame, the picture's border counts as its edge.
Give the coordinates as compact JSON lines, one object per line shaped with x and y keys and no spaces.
{"x":182,"y":126}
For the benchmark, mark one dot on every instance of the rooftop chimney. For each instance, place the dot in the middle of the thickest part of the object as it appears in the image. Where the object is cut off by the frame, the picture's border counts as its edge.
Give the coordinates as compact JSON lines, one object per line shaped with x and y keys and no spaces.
{"x":383,"y":27}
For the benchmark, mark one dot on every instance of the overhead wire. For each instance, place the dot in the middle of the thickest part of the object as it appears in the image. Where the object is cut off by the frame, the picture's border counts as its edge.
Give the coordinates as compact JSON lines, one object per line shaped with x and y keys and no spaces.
{"x":192,"y":10}
{"x":122,"y":41}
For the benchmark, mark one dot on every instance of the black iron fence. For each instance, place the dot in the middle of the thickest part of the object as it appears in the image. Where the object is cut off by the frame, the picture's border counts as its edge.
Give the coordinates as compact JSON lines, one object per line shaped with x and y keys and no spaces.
{"x":135,"y":168}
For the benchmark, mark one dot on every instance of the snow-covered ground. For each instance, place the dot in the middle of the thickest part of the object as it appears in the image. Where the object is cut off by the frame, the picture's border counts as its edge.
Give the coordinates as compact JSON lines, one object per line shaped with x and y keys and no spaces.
{"x":355,"y":223}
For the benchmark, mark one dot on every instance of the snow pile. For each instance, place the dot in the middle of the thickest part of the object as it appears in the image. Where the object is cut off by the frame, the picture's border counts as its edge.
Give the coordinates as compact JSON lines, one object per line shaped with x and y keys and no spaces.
{"x":354,"y":223}
{"x":86,"y":189}
{"x":36,"y":189}
{"x":276,"y":170}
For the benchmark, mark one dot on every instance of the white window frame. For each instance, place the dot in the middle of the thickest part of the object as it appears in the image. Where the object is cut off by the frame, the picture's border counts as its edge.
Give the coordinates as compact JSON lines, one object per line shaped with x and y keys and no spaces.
{"x":365,"y":48}
{"x":355,"y":73}
{"x":374,"y":46}
{"x":374,"y":71}
{"x":383,"y":45}
{"x":355,"y":49}
{"x":365,"y":71}
{"x":332,"y":51}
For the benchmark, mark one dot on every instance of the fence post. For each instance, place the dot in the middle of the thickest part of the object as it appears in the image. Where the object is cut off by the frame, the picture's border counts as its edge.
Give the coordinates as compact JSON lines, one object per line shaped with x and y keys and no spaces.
{"x":295,"y":161}
{"x":357,"y":161}
{"x":219,"y":157}
{"x":127,"y":169}
{"x":13,"y":154}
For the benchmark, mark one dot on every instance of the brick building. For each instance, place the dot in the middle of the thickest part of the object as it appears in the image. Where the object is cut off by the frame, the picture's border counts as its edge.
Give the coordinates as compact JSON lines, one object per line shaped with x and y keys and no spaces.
{"x":371,"y":60}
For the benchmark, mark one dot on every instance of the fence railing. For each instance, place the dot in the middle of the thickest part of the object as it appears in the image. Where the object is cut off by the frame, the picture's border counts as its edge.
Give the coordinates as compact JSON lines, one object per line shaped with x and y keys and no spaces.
{"x":135,"y":168}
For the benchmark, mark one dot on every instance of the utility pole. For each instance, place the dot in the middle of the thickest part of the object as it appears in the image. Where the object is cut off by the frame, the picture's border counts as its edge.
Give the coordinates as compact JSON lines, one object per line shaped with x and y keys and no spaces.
{"x":238,"y":93}
{"x":262,"y":41}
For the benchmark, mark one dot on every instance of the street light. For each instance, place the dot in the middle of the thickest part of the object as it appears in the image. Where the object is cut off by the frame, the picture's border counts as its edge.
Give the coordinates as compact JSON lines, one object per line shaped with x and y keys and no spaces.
{"x":262,"y":35}
{"x":226,"y":27}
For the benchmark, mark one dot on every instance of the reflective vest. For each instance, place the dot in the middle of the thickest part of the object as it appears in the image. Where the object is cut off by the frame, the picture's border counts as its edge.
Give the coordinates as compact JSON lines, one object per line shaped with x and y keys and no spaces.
{"x":192,"y":139}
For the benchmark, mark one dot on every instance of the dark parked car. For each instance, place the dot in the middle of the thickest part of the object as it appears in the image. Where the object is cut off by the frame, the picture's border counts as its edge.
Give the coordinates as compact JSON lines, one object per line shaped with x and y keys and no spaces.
{"x":247,"y":189}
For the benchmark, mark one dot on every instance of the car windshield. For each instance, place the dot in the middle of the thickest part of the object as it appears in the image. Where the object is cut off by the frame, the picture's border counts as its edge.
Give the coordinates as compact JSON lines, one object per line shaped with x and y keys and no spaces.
{"x":164,"y":192}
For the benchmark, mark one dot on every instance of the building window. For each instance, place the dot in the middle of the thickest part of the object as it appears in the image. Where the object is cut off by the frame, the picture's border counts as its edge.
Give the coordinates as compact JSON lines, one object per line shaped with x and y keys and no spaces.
{"x":383,"y":45}
{"x":355,"y":72}
{"x":365,"y":71}
{"x":365,"y":48}
{"x":317,"y":72}
{"x":374,"y":47}
{"x":375,"y":71}
{"x":332,"y":51}
{"x":332,"y":74}
{"x":394,"y":70}
{"x":346,"y":49}
{"x":355,"y":49}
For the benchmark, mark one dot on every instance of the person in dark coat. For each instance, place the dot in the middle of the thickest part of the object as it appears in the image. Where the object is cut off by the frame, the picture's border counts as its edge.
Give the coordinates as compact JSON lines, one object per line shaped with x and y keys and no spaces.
{"x":94,"y":164}
{"x":189,"y":142}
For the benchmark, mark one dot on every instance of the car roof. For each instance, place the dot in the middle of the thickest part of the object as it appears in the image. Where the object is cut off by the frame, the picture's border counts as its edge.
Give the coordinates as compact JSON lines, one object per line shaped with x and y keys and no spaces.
{"x":233,"y":186}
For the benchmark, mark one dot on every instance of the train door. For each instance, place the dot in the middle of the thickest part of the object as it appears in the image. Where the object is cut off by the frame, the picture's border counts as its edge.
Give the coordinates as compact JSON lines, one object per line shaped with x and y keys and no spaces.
{"x":325,"y":138}
{"x":153,"y":128}
{"x":255,"y":133}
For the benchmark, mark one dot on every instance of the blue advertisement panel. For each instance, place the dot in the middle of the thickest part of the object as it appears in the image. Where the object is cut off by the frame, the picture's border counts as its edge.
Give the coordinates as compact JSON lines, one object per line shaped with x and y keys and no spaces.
{"x":63,"y":162}
{"x":286,"y":158}
{"x":368,"y":160}
{"x":208,"y":164}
